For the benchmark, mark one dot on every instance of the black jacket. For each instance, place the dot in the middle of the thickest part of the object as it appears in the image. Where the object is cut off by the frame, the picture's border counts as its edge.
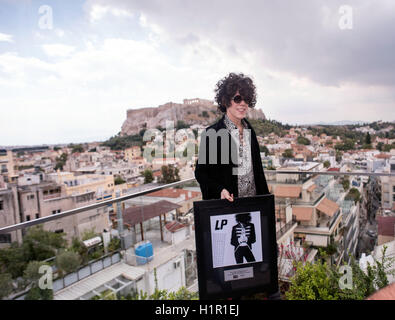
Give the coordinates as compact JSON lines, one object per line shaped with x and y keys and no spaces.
{"x":215,"y":177}
{"x":251,"y":237}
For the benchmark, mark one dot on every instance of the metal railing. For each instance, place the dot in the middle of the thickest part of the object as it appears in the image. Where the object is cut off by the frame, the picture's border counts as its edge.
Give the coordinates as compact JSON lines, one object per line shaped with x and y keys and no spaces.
{"x":119,"y":199}
{"x":105,"y":203}
{"x":285,"y":228}
{"x":86,"y":270}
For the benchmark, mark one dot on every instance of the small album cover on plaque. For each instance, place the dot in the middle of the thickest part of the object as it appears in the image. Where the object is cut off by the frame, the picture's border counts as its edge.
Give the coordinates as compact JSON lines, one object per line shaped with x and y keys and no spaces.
{"x":236,"y":247}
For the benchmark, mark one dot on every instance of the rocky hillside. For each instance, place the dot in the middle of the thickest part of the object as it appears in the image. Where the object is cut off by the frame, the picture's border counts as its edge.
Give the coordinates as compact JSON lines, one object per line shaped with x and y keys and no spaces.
{"x":191,"y":111}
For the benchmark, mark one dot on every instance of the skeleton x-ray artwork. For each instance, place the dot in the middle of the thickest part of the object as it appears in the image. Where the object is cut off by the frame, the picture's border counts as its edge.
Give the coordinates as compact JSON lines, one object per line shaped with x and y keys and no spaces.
{"x":236,"y":238}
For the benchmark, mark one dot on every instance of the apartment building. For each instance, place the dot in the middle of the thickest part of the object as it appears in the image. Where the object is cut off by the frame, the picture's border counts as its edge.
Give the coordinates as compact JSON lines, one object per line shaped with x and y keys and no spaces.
{"x":388,"y":186}
{"x":31,"y":201}
{"x":50,"y":198}
{"x":315,"y":201}
{"x":132,"y":153}
{"x":7,"y":166}
{"x":102,"y":185}
{"x":386,"y":229}
{"x":350,"y":227}
{"x":9,"y":213}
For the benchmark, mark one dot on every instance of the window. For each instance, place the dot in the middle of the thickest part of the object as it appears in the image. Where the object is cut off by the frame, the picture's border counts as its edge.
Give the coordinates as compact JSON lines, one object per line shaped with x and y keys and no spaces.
{"x":5,"y":238}
{"x":30,"y":197}
{"x":55,"y":211}
{"x":393,"y":188}
{"x":1,"y":205}
{"x":59,"y":231}
{"x":28,"y":218}
{"x":37,"y":215}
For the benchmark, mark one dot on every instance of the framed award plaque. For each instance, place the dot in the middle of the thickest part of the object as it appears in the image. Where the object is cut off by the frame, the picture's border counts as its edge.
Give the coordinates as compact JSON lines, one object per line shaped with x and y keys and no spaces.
{"x":236,"y":247}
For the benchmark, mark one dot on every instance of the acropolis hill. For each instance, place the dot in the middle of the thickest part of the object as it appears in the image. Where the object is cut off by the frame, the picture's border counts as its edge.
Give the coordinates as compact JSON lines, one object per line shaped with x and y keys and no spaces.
{"x":191,"y":111}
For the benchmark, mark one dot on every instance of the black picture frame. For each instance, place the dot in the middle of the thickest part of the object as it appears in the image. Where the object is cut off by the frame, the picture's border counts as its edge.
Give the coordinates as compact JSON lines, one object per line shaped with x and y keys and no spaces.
{"x":219,"y":279}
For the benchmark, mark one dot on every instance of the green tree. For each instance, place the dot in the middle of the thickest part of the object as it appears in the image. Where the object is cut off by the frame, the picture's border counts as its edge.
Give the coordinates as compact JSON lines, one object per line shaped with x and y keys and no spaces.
{"x":114,"y":244}
{"x":61,"y":161}
{"x":368,"y":139}
{"x":36,"y":293}
{"x":339,"y":156}
{"x":288,"y":153}
{"x":327,"y":164}
{"x":353,"y":194}
{"x":5,"y":285}
{"x":78,"y":247}
{"x":264,"y":149}
{"x":32,"y":276}
{"x":12,"y":260}
{"x":118,"y":142}
{"x":265,"y":127}
{"x":313,"y":282}
{"x":303,"y":140}
{"x":68,"y":261}
{"x":319,"y":281}
{"x":190,"y":146}
{"x":346,"y":183}
{"x":181,"y":125}
{"x":118,"y":180}
{"x":148,"y":176}
{"x":89,"y":234}
{"x":169,"y":174}
{"x":348,"y":144}
{"x":39,"y":244}
{"x":77,"y":148}
{"x":31,"y":273}
{"x":142,"y":131}
{"x":388,"y":147}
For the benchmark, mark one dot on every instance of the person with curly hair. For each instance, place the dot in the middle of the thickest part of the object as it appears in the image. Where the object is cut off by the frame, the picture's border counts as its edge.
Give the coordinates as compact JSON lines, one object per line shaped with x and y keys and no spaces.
{"x":228,"y":173}
{"x":243,"y":176}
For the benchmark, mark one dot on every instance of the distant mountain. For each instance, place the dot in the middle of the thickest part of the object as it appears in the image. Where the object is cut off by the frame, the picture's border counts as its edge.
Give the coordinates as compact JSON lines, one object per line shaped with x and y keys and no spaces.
{"x":337,"y":123}
{"x":191,"y":111}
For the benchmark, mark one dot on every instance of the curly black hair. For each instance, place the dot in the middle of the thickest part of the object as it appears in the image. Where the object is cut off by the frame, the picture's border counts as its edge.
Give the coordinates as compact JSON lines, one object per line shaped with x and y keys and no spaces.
{"x":227,"y":87}
{"x":243,"y":217}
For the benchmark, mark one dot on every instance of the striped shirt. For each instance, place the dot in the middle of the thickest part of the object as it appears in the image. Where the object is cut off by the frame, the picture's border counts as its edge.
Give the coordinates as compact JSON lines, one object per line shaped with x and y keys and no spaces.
{"x":245,"y":179}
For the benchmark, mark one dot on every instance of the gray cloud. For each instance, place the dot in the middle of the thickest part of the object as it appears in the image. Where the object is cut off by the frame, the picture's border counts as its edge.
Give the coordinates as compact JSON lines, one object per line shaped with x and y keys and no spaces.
{"x":301,"y":37}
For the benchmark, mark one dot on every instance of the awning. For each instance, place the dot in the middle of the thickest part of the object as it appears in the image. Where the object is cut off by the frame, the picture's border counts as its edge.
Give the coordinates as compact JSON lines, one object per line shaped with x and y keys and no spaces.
{"x":328,"y":207}
{"x":302,"y":213}
{"x":287,"y":191}
{"x":91,"y":242}
{"x":135,"y":215}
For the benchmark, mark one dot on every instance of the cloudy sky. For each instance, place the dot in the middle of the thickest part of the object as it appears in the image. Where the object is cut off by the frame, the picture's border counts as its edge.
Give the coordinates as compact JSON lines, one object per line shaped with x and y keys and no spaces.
{"x":69,"y":70}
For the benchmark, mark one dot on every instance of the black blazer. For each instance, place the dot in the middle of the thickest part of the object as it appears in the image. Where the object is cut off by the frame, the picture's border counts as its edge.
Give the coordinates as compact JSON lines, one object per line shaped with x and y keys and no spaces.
{"x":251,"y":238}
{"x":215,"y":177}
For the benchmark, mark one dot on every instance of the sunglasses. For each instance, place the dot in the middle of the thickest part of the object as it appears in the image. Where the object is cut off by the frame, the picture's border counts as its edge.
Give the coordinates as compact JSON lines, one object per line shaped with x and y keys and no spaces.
{"x":237,"y":99}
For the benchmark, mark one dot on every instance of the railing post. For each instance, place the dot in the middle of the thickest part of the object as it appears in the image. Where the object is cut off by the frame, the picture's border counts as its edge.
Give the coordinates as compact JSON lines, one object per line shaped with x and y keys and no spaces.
{"x":120,"y":220}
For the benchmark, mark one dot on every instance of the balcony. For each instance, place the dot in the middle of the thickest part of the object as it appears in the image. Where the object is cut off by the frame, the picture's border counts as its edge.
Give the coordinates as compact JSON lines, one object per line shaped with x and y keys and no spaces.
{"x":283,"y":229}
{"x":176,"y":248}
